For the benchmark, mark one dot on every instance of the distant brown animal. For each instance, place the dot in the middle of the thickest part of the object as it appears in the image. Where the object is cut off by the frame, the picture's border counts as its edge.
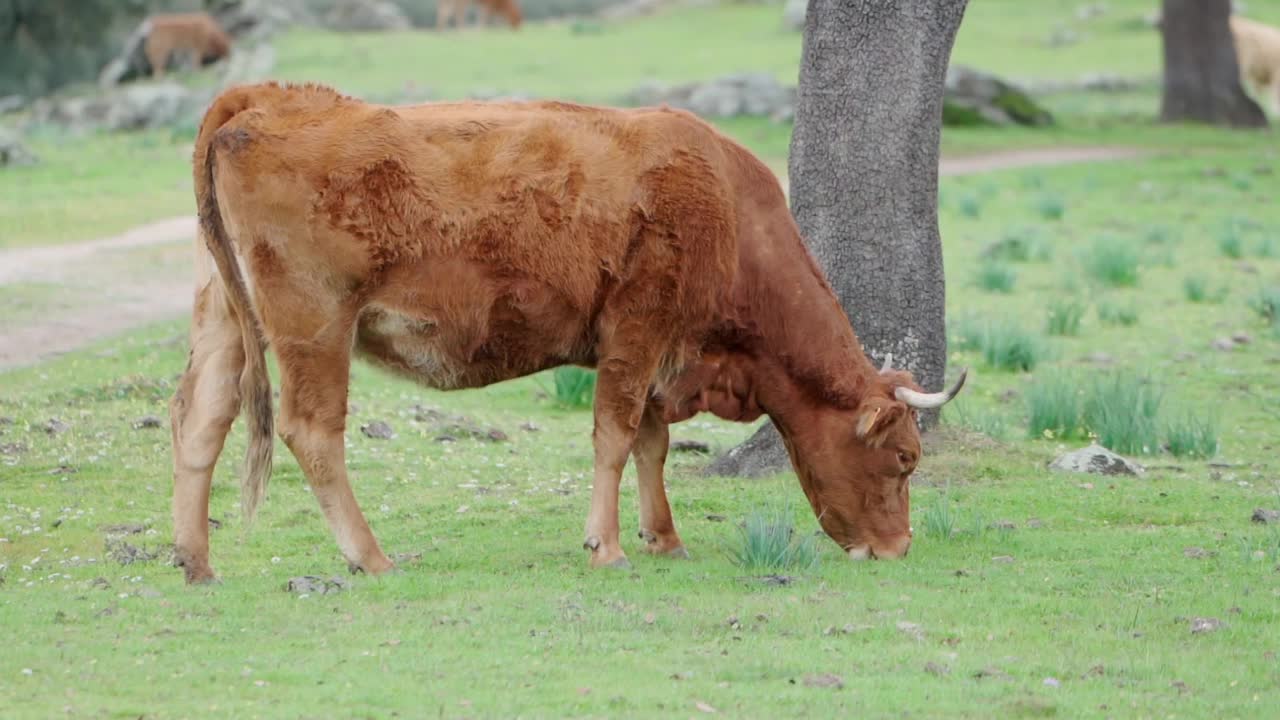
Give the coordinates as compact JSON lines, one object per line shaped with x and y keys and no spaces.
{"x":463,"y":244}
{"x":1258,"y":54}
{"x":456,"y":11}
{"x":194,"y":38}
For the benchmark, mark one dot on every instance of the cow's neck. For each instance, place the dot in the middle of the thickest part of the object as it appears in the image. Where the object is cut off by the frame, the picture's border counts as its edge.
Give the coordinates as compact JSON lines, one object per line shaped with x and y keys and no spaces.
{"x":804,"y":343}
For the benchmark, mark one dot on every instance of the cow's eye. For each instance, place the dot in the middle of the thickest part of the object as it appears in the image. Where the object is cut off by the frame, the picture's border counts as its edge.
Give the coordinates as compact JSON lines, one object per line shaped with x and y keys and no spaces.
{"x":904,"y":458}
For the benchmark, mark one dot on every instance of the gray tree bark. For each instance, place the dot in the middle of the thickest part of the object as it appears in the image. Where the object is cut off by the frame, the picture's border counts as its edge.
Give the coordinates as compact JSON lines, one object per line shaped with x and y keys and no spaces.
{"x":864,"y":183}
{"x":1201,"y":71}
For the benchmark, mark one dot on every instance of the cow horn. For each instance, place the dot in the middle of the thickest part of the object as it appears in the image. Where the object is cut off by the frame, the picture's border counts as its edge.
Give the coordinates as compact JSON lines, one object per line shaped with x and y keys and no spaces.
{"x":928,"y":401}
{"x":888,"y":361}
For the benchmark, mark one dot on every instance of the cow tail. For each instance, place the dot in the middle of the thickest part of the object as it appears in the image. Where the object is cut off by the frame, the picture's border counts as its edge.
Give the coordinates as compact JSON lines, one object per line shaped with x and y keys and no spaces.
{"x":255,"y":383}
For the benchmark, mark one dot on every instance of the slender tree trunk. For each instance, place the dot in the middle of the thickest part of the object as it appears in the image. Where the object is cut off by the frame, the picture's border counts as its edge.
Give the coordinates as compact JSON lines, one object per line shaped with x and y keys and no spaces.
{"x":864,"y":182}
{"x":1201,"y":72}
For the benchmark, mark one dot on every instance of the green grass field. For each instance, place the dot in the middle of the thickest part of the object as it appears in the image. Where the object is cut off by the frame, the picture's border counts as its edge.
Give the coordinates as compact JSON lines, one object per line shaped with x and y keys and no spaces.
{"x":1028,"y":592}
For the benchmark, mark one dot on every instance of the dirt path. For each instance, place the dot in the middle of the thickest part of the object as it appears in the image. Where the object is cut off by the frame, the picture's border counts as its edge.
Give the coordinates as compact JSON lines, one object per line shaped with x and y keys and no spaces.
{"x":88,"y":291}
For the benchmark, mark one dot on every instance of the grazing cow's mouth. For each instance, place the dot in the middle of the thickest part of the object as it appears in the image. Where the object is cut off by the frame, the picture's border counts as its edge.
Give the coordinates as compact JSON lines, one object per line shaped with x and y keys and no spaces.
{"x":893,"y":549}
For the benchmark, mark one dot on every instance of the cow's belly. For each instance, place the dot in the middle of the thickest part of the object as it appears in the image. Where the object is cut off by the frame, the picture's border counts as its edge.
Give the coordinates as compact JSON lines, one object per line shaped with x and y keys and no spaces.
{"x":452,"y":353}
{"x":415,"y":347}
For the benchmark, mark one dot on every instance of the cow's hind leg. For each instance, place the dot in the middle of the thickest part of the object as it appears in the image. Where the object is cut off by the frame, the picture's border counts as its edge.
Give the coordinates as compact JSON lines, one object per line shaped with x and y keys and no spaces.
{"x":201,"y":412}
{"x":657,"y":528}
{"x":313,"y":413}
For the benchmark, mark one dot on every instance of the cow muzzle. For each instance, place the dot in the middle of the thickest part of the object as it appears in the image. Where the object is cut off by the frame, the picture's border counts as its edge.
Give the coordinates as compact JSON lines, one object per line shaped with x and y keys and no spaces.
{"x":886,"y":550}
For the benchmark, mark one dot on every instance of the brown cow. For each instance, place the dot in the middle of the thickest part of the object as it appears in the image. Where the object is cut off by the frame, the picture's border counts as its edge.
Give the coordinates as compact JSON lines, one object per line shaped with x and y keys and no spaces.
{"x":192,"y":37}
{"x":456,"y":11}
{"x":463,"y":244}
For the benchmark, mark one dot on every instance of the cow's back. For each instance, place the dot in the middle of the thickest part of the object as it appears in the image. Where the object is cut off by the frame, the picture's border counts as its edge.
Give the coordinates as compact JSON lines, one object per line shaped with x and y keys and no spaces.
{"x":479,"y":230}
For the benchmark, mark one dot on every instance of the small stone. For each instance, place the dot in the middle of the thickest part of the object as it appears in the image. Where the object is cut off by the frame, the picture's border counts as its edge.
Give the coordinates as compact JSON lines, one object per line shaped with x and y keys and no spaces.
{"x":146,"y":422}
{"x":5,"y":420}
{"x":1266,"y":517}
{"x":1241,"y":338}
{"x":1247,"y":268}
{"x":716,"y":518}
{"x":55,"y":427}
{"x":529,"y":427}
{"x":377,"y":430}
{"x":1201,"y":625}
{"x":1035,"y":523}
{"x":1223,"y":343}
{"x":1002,"y":559}
{"x":1195,"y":553}
{"x":1052,"y":682}
{"x":64,"y":469}
{"x":690,"y":446}
{"x":935,"y":669}
{"x":1099,"y":358}
{"x":824,"y":680}
{"x":910,"y":628}
{"x":1003,"y":525}
{"x":1263,"y":170}
{"x":1008,"y":395}
{"x":1097,"y":460}
{"x":314,"y":585}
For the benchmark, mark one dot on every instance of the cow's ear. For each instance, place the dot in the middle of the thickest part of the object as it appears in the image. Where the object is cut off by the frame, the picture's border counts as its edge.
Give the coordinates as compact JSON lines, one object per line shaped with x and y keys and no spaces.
{"x":874,"y":417}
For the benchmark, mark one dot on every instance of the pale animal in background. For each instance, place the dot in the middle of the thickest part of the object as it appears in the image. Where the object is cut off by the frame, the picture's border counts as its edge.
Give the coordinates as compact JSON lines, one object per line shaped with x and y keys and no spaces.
{"x":1258,"y":54}
{"x":456,"y":11}
{"x":195,"y":38}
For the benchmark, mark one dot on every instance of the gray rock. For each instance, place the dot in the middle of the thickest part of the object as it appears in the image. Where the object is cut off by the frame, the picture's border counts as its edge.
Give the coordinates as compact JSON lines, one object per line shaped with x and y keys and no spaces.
{"x":128,"y":107}
{"x":147,"y":421}
{"x":1266,"y":517}
{"x":12,"y":103}
{"x":1201,"y":625}
{"x":55,"y":427}
{"x":793,"y":14}
{"x":252,"y":21}
{"x":976,"y":98}
{"x":13,"y":151}
{"x":366,"y":15}
{"x":1097,"y":460}
{"x":314,"y":585}
{"x":249,"y":65}
{"x":1089,"y":11}
{"x":378,"y":430}
{"x":1224,"y":344}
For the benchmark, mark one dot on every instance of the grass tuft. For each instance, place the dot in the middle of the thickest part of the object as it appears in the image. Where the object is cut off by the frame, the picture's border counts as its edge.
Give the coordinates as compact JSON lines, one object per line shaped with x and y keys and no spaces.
{"x":1008,"y":347}
{"x":1051,"y":206}
{"x":1053,"y":404}
{"x":574,"y":387}
{"x":1064,"y":317}
{"x":1191,"y":435}
{"x":1231,"y":241}
{"x":1112,"y":263}
{"x":1121,"y":410}
{"x":1267,"y":305}
{"x":996,"y":277}
{"x":1121,"y":315}
{"x":767,"y":541}
{"x":1022,"y":245}
{"x":970,"y":206}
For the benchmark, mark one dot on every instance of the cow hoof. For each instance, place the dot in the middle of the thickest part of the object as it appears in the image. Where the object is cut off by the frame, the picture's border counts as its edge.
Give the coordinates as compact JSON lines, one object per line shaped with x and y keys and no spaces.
{"x":377,"y":566}
{"x":621,"y":563}
{"x":677,"y":552}
{"x":205,"y":578}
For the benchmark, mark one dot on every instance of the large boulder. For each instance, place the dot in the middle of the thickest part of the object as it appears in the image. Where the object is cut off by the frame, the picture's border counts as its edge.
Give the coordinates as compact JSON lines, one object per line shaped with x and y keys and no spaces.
{"x":366,"y":15}
{"x":977,"y":98}
{"x":128,"y":107}
{"x":754,"y":94}
{"x":253,"y":21}
{"x":972,"y":98}
{"x":12,"y":151}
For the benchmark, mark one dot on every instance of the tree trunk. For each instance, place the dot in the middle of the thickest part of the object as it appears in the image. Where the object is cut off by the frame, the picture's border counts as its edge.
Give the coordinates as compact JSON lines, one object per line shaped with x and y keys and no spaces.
{"x":864,"y":183}
{"x":1201,"y":72}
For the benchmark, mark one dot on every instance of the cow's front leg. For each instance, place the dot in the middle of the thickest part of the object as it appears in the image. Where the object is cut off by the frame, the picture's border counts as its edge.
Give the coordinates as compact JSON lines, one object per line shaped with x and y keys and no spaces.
{"x":313,"y":405}
{"x":621,"y":389}
{"x":657,"y":528}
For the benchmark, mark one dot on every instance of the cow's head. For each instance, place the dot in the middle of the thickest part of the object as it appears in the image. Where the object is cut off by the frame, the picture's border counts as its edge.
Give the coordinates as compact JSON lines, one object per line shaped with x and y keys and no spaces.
{"x":855,"y":465}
